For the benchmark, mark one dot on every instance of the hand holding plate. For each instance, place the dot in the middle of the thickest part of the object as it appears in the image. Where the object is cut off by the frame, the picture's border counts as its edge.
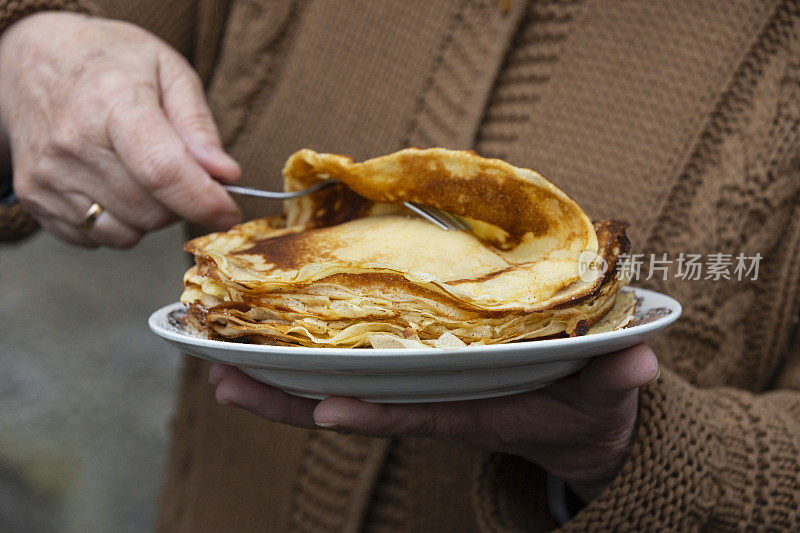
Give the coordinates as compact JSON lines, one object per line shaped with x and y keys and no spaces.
{"x":578,"y":428}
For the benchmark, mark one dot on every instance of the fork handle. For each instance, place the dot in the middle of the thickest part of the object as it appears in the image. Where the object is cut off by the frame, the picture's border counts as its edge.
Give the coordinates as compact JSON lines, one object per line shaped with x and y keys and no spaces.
{"x":275,"y":195}
{"x":247,"y":191}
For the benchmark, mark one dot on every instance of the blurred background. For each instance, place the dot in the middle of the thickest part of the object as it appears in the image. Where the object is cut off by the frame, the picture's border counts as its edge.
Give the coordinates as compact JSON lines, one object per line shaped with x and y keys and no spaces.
{"x":86,"y":389}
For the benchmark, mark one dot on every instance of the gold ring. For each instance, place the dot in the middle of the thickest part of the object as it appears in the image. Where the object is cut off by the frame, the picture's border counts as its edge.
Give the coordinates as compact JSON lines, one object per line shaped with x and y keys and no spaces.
{"x":91,"y":215}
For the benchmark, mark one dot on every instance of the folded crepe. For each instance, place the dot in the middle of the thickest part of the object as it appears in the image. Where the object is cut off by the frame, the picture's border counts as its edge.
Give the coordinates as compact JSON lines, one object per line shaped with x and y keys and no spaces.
{"x":349,"y":266}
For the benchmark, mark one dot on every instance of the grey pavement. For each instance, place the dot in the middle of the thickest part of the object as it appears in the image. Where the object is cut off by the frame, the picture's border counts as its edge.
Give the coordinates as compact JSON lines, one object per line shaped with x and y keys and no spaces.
{"x":86,"y":391}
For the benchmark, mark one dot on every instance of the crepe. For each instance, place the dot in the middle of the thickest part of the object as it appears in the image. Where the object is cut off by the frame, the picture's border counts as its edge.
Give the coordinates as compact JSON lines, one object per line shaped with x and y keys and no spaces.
{"x":350,"y":267}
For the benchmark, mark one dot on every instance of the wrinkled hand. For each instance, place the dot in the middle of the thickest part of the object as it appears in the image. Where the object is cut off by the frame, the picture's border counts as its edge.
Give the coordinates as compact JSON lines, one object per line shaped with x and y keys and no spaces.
{"x":102,"y":111}
{"x":578,"y":428}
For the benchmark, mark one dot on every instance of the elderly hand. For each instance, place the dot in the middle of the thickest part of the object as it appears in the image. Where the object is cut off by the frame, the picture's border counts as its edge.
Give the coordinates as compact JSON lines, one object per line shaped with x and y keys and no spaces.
{"x":578,"y":428}
{"x":102,"y":111}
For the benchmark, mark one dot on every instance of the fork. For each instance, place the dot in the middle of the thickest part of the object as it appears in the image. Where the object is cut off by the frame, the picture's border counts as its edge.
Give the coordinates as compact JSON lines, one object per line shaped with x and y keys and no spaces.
{"x":443,"y":219}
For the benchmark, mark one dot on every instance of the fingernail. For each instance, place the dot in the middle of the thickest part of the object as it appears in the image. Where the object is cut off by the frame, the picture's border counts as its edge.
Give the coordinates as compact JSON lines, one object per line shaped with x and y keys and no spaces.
{"x":232,"y":170}
{"x":326,"y":425}
{"x":222,"y":398}
{"x":226,"y":160}
{"x":215,"y":374}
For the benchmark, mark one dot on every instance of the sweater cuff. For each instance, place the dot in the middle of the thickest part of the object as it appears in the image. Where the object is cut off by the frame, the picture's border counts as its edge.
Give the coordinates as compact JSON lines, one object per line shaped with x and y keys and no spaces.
{"x":681,"y":473}
{"x":673,"y":477}
{"x":15,"y":224}
{"x":14,"y":10}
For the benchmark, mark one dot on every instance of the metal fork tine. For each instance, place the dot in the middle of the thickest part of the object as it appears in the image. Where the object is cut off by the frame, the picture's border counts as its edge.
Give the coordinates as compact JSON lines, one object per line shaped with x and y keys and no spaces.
{"x":443,"y":215}
{"x":465,"y":226}
{"x":427,"y":215}
{"x":457,"y":222}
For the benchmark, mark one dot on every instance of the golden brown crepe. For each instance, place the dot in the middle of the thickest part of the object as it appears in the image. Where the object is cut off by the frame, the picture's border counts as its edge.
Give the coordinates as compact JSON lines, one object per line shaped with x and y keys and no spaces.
{"x":349,"y":266}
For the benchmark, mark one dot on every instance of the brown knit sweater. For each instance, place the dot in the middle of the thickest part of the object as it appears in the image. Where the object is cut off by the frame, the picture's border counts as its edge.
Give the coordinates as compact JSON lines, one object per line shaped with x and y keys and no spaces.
{"x":681,"y":117}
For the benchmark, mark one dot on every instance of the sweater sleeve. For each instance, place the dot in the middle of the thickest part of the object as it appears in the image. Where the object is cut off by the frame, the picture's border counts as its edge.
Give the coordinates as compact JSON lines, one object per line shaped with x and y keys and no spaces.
{"x":174,"y":21}
{"x":15,"y":224}
{"x":719,"y":459}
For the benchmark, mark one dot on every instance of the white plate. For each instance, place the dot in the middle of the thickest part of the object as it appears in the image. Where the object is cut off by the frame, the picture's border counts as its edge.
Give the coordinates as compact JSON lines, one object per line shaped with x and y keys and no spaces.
{"x":418,"y":375}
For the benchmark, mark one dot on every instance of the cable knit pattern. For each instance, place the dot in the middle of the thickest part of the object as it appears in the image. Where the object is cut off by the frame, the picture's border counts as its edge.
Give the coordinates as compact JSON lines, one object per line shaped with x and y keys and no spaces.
{"x":333,"y":467}
{"x":742,"y":186}
{"x":390,"y":505}
{"x":260,"y":30}
{"x":526,"y":71}
{"x":448,"y":111}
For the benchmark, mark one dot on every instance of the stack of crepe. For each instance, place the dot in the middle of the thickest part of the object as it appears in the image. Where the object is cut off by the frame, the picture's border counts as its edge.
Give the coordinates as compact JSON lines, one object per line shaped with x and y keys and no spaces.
{"x":350,"y":267}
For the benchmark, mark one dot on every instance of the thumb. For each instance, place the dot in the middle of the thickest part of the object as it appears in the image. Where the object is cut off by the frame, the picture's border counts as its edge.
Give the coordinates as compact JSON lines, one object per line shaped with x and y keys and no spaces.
{"x":186,"y":108}
{"x":611,"y":377}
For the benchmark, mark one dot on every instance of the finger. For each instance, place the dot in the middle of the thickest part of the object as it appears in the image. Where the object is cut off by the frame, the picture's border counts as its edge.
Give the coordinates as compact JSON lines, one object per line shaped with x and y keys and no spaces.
{"x":217,"y":372}
{"x":385,"y":420}
{"x":157,"y":158}
{"x":113,"y":187}
{"x":62,"y":187}
{"x":66,"y":232}
{"x":185,"y":104}
{"x":614,"y":375}
{"x":64,"y":213}
{"x":108,"y":230}
{"x":268,"y":402}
